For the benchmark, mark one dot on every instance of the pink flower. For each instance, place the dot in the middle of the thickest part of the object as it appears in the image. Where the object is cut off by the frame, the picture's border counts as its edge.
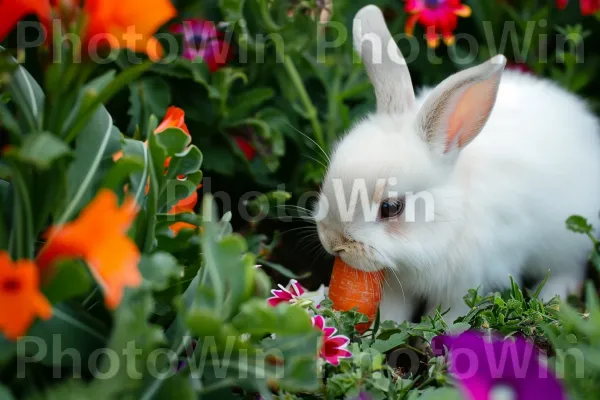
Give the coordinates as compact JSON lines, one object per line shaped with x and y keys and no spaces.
{"x":334,"y":346}
{"x":289,"y":294}
{"x":202,"y":39}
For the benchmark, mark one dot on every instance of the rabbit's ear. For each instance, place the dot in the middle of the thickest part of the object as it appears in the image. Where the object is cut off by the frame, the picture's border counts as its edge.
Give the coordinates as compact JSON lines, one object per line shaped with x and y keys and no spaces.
{"x":383,"y":61}
{"x":458,"y":108}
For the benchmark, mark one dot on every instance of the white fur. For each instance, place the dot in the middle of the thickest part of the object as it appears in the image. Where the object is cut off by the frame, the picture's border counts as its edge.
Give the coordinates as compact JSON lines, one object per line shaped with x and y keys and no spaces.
{"x":500,"y":202}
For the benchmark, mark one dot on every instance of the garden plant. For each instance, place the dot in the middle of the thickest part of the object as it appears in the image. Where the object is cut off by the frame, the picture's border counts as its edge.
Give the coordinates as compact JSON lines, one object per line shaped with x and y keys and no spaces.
{"x":158,"y":162}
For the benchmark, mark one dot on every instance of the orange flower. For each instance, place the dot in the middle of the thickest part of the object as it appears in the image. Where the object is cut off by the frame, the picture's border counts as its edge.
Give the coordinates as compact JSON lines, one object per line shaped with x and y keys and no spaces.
{"x":184,"y":205}
{"x":99,"y":236}
{"x":127,"y":24}
{"x":13,"y":11}
{"x":174,"y":118}
{"x":20,"y":296}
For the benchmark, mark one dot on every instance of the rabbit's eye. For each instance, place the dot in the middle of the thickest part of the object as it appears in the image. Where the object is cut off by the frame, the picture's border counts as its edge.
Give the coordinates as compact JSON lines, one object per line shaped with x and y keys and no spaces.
{"x":391,"y":208}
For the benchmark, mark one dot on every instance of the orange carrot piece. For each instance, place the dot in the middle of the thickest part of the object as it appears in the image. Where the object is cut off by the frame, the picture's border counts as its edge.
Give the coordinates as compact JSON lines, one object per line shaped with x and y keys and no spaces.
{"x":350,"y":287}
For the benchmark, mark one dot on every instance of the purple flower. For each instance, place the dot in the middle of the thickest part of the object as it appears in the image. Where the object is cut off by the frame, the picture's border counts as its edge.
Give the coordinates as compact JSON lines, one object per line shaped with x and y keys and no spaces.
{"x":334,"y":346}
{"x":202,"y":39}
{"x":481,"y":363}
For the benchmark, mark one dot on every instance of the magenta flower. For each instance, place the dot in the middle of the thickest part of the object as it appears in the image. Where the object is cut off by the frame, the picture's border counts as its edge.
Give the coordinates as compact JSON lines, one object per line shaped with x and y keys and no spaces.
{"x":481,"y":363}
{"x":334,"y":346}
{"x":289,"y":294}
{"x":202,"y":39}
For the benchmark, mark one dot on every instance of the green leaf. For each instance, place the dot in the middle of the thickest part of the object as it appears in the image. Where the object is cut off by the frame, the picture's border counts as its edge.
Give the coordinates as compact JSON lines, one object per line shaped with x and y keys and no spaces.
{"x":282,"y":270}
{"x":138,"y":150}
{"x":8,"y":121}
{"x":229,"y":268}
{"x":150,"y":95}
{"x":187,"y":162}
{"x":69,"y":279}
{"x":7,"y":349}
{"x":69,"y":390}
{"x":173,"y":140}
{"x":220,"y":160}
{"x":21,"y":240}
{"x":94,"y":86}
{"x":204,"y":322}
{"x":69,"y":328}
{"x":163,"y":221}
{"x":579,"y":224}
{"x":122,"y":170}
{"x":249,"y":100}
{"x":223,"y":79}
{"x":92,"y":102}
{"x":28,"y":96}
{"x":595,"y":257}
{"x":177,"y":387}
{"x":397,"y":339}
{"x":42,"y":149}
{"x":5,"y":393}
{"x":133,"y":340}
{"x":458,"y":328}
{"x":175,"y":191}
{"x":158,"y":269}
{"x":6,"y":201}
{"x":298,"y":354}
{"x":444,"y":393}
{"x":258,"y":318}
{"x":100,"y":141}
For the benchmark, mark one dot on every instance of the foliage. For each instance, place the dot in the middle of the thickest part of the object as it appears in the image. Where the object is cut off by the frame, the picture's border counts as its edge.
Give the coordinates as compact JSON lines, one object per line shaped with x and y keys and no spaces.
{"x":199,"y":326}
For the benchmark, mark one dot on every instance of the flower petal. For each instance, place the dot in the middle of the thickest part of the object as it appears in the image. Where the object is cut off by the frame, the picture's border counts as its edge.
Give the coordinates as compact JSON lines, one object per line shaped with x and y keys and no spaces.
{"x":463,"y":11}
{"x":411,"y":21}
{"x":318,"y":322}
{"x":339,"y":341}
{"x":274,"y":301}
{"x":13,"y":11}
{"x":296,"y":288}
{"x":329,"y":331}
{"x":282,"y":294}
{"x":20,"y":296}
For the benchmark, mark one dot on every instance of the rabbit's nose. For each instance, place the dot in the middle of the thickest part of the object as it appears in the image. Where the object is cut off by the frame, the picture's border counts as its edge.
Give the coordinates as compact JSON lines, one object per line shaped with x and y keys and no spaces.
{"x":338,"y":249}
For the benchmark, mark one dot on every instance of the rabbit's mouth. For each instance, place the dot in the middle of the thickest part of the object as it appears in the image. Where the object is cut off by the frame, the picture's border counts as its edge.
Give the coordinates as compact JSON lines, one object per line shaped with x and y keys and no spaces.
{"x":359,"y":256}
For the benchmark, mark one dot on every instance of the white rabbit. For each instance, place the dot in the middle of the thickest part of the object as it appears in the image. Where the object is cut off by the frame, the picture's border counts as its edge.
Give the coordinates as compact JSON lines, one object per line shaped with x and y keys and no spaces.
{"x":497,"y":161}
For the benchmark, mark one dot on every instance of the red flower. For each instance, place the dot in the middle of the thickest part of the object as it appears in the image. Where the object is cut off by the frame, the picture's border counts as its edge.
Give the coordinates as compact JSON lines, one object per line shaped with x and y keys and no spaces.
{"x":437,"y":16}
{"x":246,"y":147}
{"x":202,"y":39}
{"x":13,"y":11}
{"x":588,"y":7}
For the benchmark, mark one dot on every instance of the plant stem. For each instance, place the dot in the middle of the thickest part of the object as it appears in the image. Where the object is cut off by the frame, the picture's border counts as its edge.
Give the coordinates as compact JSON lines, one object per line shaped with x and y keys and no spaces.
{"x":156,"y":383}
{"x":21,"y":241}
{"x":270,"y":24}
{"x":311,"y":111}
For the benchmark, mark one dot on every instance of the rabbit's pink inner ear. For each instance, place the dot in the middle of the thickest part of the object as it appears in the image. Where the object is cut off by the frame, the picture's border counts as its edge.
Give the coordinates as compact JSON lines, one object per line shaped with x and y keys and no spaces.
{"x":471,"y":112}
